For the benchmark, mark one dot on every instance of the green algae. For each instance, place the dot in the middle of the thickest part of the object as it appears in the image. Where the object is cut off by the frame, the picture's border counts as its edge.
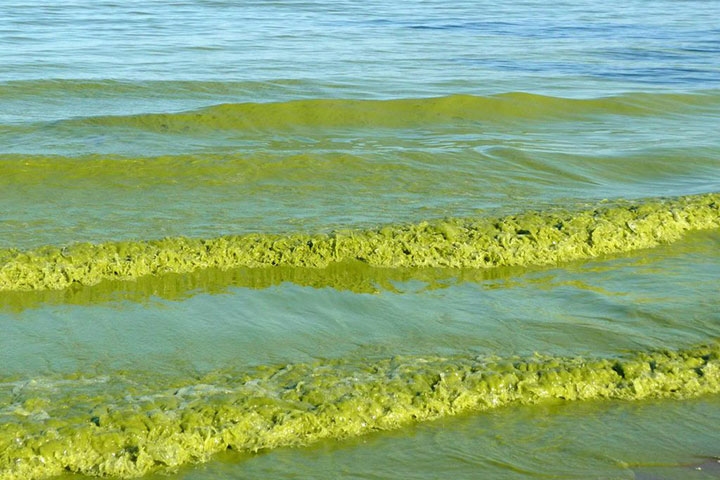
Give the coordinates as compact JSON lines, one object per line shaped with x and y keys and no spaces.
{"x":531,"y":238}
{"x":128,"y":426}
{"x":399,"y":113}
{"x":352,"y":276}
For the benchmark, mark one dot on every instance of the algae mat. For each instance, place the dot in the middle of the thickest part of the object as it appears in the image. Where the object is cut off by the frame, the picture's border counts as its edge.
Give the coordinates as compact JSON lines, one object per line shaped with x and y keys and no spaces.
{"x":51,"y":426}
{"x":536,"y":238}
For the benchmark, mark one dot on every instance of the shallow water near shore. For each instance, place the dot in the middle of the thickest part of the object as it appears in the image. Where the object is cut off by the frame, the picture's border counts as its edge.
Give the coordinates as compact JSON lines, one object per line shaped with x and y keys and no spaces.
{"x":295,"y":240}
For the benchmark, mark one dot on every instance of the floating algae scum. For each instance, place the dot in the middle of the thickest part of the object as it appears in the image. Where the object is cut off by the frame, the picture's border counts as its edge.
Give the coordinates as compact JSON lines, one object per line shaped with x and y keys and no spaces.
{"x":132,"y":428}
{"x":536,"y":238}
{"x":125,"y":424}
{"x":361,"y":240}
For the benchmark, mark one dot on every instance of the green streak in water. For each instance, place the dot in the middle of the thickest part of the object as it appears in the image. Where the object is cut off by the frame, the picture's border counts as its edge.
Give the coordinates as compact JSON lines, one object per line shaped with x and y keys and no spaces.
{"x":515,"y":106}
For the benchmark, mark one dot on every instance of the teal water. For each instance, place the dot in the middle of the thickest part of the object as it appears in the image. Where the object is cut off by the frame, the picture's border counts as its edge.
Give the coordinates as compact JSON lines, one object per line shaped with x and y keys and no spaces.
{"x":137,"y":121}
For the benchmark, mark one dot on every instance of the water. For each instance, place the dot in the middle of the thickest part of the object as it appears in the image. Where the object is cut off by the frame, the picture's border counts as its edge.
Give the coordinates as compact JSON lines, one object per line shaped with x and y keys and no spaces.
{"x":138,"y":121}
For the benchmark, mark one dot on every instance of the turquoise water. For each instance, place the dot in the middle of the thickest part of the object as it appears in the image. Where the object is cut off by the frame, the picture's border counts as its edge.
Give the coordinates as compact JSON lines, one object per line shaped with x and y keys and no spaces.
{"x":137,"y":121}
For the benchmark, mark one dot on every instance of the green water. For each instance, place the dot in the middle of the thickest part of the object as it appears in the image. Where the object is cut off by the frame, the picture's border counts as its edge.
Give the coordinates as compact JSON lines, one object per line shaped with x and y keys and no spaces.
{"x":308,"y":240}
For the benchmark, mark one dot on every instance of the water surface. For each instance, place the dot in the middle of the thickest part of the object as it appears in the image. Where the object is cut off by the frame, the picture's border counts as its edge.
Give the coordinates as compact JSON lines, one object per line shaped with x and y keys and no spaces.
{"x":137,"y":121}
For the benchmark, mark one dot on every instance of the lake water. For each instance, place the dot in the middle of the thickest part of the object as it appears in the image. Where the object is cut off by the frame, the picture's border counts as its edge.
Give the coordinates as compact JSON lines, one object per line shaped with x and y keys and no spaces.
{"x":423,"y":124}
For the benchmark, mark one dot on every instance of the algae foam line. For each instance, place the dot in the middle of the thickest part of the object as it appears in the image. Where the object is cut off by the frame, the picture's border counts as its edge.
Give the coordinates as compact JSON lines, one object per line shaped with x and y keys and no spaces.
{"x":531,"y":238}
{"x":126,"y":426}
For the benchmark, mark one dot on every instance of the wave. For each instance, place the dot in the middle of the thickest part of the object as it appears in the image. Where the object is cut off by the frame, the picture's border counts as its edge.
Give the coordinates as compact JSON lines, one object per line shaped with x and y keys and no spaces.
{"x":126,"y":427}
{"x":404,"y":112}
{"x":353,"y":276}
{"x":531,"y":238}
{"x":396,"y":113}
{"x":501,"y":162}
{"x":206,"y":168}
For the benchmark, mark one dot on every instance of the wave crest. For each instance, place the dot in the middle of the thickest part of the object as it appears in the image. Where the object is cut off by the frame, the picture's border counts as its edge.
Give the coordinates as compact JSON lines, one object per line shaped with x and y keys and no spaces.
{"x":126,"y":427}
{"x":532,"y":238}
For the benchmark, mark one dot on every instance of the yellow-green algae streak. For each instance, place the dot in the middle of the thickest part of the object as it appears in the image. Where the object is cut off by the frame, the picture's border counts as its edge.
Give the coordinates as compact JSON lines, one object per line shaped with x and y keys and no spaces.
{"x":396,"y":113}
{"x":135,"y":427}
{"x":531,"y":238}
